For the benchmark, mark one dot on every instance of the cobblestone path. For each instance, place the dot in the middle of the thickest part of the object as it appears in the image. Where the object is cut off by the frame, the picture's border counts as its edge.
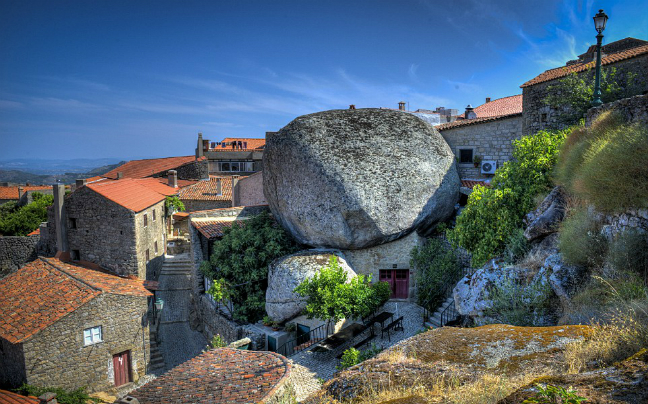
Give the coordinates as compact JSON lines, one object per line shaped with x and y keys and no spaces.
{"x":311,"y":368}
{"x":179,"y":342}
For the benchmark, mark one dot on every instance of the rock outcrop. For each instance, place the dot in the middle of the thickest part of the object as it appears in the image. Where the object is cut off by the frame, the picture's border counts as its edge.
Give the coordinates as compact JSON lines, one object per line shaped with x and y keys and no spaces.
{"x":565,"y":279}
{"x":351,"y":179}
{"x":546,"y":219}
{"x":286,"y":273}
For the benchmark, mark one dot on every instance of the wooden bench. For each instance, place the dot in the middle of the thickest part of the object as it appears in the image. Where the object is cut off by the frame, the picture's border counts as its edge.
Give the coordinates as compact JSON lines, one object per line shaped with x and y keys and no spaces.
{"x":396,"y":325}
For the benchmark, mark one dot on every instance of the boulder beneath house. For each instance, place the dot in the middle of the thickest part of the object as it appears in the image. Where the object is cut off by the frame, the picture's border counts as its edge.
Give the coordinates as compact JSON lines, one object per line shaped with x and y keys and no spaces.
{"x":286,"y":273}
{"x":547,"y":218}
{"x":351,"y":179}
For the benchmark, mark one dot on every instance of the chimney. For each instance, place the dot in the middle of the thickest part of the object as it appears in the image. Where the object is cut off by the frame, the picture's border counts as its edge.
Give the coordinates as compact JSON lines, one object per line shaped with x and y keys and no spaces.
{"x":401,"y":106}
{"x":120,"y":175}
{"x":60,"y":218}
{"x":219,"y":189}
{"x":173,"y":178}
{"x":80,"y":183}
{"x":487,"y":99}
{"x":47,"y":398}
{"x":21,"y":192}
{"x":351,"y":106}
{"x":200,"y":146}
{"x":470,"y":114}
{"x":235,"y":190}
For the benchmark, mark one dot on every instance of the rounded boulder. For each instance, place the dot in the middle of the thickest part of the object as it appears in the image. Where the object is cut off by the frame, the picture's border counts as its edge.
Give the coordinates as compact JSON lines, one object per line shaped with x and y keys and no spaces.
{"x":351,"y":179}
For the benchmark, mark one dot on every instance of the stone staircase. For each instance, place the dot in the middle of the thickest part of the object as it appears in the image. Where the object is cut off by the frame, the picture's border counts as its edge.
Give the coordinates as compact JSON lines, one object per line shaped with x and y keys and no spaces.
{"x":434,"y":320}
{"x":156,"y":364}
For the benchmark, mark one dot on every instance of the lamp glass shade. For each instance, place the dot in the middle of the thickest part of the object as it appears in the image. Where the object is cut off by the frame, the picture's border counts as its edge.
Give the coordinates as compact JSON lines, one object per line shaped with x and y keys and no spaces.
{"x":600,"y":20}
{"x":159,"y":304}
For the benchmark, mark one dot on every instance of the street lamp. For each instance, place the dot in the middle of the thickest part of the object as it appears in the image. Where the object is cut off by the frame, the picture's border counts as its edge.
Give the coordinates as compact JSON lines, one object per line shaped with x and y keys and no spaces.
{"x":600,"y":20}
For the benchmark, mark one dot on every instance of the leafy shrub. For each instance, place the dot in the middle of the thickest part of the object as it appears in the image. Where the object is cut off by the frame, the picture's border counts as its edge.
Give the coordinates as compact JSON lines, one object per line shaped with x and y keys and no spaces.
{"x":24,"y":220}
{"x":217,"y":342}
{"x":240,"y":263}
{"x":493,"y":214}
{"x":352,"y":356}
{"x":518,"y":304}
{"x":581,"y":241}
{"x":516,"y":246}
{"x":549,"y":394}
{"x":629,"y":251}
{"x":173,"y":204}
{"x":437,"y":268}
{"x":78,"y":396}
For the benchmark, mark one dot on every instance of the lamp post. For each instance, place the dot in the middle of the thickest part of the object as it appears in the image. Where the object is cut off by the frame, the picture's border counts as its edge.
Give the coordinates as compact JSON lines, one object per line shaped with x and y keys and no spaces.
{"x":600,"y":20}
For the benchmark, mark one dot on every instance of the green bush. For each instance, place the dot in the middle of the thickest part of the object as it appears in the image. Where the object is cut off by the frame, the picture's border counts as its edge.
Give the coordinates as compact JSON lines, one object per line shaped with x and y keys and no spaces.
{"x":555,"y":395}
{"x":580,"y":240}
{"x":239,"y":262}
{"x":493,"y":214}
{"x":437,"y":267}
{"x":517,"y":304}
{"x":24,"y":220}
{"x":352,"y":356}
{"x":516,"y":246}
{"x":629,"y":252}
{"x":78,"y":396}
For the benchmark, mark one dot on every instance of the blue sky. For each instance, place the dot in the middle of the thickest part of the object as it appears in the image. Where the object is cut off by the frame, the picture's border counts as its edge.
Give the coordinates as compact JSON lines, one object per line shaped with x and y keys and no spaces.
{"x":140,"y":79}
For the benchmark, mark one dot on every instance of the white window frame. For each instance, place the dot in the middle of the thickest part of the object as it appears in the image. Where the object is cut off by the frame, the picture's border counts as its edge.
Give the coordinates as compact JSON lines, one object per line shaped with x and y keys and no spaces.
{"x":92,"y":335}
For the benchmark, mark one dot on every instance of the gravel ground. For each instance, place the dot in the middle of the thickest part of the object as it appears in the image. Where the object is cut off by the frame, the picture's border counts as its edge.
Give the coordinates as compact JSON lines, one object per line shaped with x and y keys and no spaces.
{"x":311,"y":368}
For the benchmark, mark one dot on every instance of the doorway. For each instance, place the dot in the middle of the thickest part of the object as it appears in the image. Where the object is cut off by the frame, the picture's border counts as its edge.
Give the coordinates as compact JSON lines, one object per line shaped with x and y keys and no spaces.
{"x":122,"y":367}
{"x":398,"y":280}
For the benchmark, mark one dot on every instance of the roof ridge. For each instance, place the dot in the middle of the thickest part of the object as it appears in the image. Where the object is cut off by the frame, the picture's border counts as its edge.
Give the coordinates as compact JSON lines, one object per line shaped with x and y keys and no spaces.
{"x":71,"y":275}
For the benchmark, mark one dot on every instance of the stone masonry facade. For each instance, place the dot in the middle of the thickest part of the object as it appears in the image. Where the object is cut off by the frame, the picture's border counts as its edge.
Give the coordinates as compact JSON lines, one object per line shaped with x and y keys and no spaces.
{"x":250,"y":190}
{"x":16,"y":252}
{"x":196,"y":170}
{"x":493,"y":140}
{"x":537,"y":115}
{"x":150,"y":240}
{"x":57,"y":356}
{"x":633,"y":109}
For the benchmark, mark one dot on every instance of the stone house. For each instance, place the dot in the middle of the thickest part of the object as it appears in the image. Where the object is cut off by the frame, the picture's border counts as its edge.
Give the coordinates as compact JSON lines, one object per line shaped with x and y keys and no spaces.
{"x":486,"y":131}
{"x":625,"y":56}
{"x":188,"y":168}
{"x":22,"y":194}
{"x":120,"y":225}
{"x":69,"y":326}
{"x":224,"y":192}
{"x":232,"y":156}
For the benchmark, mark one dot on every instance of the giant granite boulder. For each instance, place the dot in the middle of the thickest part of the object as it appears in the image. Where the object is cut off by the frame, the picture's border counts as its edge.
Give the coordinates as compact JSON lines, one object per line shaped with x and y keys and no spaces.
{"x":547,"y":218}
{"x":351,"y":179}
{"x":286,"y":273}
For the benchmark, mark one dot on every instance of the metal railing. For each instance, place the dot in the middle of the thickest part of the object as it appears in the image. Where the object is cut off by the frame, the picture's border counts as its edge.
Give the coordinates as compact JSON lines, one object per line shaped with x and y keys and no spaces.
{"x":304,"y":341}
{"x":428,"y":307}
{"x":449,"y":314}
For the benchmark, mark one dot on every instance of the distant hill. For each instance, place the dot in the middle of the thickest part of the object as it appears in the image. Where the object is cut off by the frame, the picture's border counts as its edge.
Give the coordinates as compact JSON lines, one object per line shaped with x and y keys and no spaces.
{"x":21,"y":177}
{"x":55,"y":167}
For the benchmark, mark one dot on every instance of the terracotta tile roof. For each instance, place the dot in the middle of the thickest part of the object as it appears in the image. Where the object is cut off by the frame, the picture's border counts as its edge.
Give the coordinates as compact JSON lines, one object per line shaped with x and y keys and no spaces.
{"x":467,"y":122}
{"x":501,"y":106}
{"x":252,"y":144}
{"x":207,"y":190}
{"x":12,"y":192}
{"x":214,"y":228}
{"x":149,"y":167}
{"x":45,"y":290}
{"x":7,"y":397}
{"x":35,"y":232}
{"x":225,"y":375}
{"x":563,"y":71}
{"x":471,"y":183}
{"x":135,"y":194}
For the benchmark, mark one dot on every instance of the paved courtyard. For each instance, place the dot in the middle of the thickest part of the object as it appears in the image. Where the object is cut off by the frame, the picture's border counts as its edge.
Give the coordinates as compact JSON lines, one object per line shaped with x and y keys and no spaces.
{"x":310,"y":368}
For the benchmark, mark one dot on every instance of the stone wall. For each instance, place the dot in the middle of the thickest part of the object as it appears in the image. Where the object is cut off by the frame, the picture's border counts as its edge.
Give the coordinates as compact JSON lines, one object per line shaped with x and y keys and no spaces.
{"x":16,"y":252}
{"x":196,"y":170}
{"x":491,"y":140}
{"x":57,"y":356}
{"x":12,"y":364}
{"x":251,"y":190}
{"x":539,"y":116}
{"x":146,"y":237}
{"x":192,"y":205}
{"x":393,"y":255}
{"x":104,"y":233}
{"x":633,"y":109}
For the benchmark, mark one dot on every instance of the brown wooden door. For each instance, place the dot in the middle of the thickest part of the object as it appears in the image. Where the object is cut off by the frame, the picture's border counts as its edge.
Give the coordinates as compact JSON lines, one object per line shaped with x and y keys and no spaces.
{"x":398,"y":280}
{"x":121,"y":364}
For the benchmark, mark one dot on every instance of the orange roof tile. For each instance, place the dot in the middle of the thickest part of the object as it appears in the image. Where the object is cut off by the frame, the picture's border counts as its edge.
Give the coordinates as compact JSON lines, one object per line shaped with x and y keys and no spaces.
{"x":35,"y":232}
{"x":252,"y":144}
{"x":135,"y":194}
{"x":207,"y":190}
{"x":214,"y":228}
{"x":12,"y":192}
{"x":563,"y":71}
{"x":501,"y":106}
{"x":467,"y":122}
{"x":7,"y":397}
{"x":471,"y":183}
{"x":45,"y":290}
{"x":149,"y":167}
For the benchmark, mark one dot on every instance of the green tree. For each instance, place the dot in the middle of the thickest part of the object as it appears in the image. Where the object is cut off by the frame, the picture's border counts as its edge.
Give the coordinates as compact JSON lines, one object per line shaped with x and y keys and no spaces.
{"x":437,"y":267}
{"x":239,"y":262}
{"x":493,"y":214}
{"x":330,"y":297}
{"x":25,"y":219}
{"x":173,"y":204}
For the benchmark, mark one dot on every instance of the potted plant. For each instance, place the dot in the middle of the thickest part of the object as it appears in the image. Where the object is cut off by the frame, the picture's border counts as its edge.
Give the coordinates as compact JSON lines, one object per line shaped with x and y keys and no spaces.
{"x":291,"y":327}
{"x":267,"y":321}
{"x":275,"y":326}
{"x":477,"y":160}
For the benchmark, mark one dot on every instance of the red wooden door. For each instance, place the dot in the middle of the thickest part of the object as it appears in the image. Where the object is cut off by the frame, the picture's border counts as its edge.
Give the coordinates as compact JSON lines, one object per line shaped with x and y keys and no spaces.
{"x":398,"y":280}
{"x":121,"y":364}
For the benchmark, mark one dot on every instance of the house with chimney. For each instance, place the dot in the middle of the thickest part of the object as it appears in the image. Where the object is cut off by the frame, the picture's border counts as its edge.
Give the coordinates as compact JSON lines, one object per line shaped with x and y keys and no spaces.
{"x":21,"y":194}
{"x":628,"y":57}
{"x":187,"y":168}
{"x":223,"y":192}
{"x":231,"y":156}
{"x":70,"y":326}
{"x":120,"y":225}
{"x":483,"y":139}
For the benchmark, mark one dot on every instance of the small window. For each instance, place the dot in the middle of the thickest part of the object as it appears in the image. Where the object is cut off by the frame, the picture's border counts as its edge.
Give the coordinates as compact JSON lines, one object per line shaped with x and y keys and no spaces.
{"x":543,"y":118}
{"x":156,"y":248}
{"x":92,"y":335}
{"x":225,"y":166}
{"x":73,"y":223}
{"x":465,"y":156}
{"x":235,"y":166}
{"x":145,"y":219}
{"x":148,"y":255}
{"x":75,"y":254}
{"x":154,"y":215}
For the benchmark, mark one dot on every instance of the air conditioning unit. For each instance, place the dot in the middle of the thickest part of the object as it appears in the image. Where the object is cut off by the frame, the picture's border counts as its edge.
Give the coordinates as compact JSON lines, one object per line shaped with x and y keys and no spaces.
{"x":488,"y":166}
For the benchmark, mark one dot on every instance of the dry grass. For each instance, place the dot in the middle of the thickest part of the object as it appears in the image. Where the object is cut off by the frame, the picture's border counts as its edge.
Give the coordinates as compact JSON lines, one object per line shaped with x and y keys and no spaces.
{"x":533,"y":260}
